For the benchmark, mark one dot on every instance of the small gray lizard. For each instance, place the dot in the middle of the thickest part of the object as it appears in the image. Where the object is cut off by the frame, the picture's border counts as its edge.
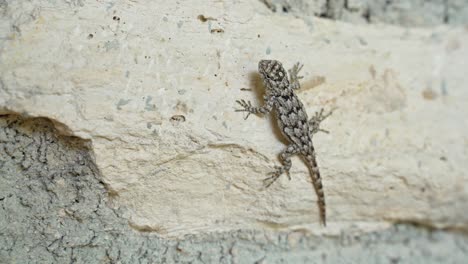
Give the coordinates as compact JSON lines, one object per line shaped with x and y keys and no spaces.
{"x":292,"y":120}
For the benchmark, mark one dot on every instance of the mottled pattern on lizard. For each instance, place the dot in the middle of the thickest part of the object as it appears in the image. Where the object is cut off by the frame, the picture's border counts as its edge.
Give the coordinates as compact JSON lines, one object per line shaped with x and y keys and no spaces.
{"x":292,"y":120}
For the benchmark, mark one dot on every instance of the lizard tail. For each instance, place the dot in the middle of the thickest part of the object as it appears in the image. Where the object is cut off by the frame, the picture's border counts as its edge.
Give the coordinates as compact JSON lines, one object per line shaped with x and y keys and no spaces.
{"x":317,"y":181}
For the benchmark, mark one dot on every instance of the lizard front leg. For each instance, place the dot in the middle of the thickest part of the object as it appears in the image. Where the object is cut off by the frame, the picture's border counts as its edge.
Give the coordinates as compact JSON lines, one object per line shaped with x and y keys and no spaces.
{"x":294,"y":77}
{"x":314,"y":122}
{"x":286,"y":161}
{"x":264,"y":109}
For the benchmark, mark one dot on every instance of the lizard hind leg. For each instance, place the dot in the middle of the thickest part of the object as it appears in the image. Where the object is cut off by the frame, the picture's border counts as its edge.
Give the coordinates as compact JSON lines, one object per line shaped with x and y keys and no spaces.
{"x":286,"y":161}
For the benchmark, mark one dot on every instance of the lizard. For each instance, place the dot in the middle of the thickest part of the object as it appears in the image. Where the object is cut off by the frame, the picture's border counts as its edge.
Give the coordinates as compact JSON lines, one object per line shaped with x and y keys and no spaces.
{"x":292,"y":119}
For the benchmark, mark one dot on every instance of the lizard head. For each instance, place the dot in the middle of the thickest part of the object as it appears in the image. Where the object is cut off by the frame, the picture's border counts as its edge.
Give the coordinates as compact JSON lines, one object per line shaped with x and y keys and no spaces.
{"x":273,"y":73}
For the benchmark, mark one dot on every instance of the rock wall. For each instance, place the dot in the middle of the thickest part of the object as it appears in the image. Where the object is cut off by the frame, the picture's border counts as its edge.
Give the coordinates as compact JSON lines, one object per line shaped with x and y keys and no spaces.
{"x":118,"y":128}
{"x":54,"y":208}
{"x":421,"y":13}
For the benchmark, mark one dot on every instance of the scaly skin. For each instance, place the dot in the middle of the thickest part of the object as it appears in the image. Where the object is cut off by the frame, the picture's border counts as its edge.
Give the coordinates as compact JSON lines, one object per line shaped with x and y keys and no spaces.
{"x":292,"y":120}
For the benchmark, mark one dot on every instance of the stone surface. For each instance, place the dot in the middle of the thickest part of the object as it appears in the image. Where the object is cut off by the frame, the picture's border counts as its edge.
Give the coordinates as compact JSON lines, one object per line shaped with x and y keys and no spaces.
{"x":158,"y":111}
{"x":152,"y":88}
{"x":420,"y":13}
{"x":54,"y":208}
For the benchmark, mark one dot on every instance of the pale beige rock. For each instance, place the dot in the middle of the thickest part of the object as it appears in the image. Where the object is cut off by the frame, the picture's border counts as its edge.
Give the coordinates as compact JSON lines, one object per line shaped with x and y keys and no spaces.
{"x":126,"y":76}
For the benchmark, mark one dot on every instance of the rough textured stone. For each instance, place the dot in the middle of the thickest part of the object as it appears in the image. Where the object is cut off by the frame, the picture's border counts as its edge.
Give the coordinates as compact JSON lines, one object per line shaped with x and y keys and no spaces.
{"x":149,"y":88}
{"x":54,"y":209}
{"x":158,"y":111}
{"x":399,"y":12}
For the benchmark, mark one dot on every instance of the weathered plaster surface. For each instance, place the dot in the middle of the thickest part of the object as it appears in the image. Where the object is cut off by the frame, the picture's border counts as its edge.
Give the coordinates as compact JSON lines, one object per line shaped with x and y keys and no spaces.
{"x":54,"y":208}
{"x":152,"y":87}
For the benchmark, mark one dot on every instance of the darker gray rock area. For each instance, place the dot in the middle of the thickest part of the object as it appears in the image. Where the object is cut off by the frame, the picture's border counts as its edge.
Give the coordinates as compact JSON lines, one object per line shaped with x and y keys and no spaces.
{"x":55,"y":209}
{"x":419,"y":13}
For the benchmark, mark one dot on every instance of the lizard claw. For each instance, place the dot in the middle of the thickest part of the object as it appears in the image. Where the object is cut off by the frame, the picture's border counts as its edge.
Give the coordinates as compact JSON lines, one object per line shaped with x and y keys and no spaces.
{"x":294,"y":75}
{"x":269,"y":181}
{"x":298,"y":66}
{"x":296,"y":69}
{"x":247,"y":105}
{"x":274,"y":176}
